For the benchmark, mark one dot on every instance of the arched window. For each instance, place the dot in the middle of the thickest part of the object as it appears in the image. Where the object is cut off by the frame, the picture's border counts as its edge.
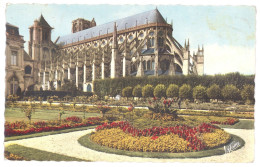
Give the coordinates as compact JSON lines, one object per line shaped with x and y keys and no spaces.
{"x":28,"y":69}
{"x":160,"y":41}
{"x":13,"y":82}
{"x":152,"y":42}
{"x":148,"y":65}
{"x":89,"y":88}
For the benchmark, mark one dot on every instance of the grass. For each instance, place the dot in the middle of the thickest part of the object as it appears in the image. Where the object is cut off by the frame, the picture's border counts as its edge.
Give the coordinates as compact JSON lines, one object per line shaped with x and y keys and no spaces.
{"x":242,"y":124}
{"x":86,"y":142}
{"x":38,"y":155}
{"x":47,"y":133}
{"x":16,"y":114}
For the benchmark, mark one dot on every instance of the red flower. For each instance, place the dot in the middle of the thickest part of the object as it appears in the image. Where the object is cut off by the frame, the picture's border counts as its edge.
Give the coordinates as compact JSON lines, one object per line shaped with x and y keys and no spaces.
{"x":164,"y":102}
{"x":154,"y":137}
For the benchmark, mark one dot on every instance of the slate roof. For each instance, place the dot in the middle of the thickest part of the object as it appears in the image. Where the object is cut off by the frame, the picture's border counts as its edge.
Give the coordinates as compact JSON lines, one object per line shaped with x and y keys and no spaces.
{"x":26,"y":56}
{"x":43,"y":22}
{"x":152,"y":16}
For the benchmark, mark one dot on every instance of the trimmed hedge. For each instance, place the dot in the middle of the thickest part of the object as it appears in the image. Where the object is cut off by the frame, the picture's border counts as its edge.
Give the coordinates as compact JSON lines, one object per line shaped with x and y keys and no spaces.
{"x":113,"y":87}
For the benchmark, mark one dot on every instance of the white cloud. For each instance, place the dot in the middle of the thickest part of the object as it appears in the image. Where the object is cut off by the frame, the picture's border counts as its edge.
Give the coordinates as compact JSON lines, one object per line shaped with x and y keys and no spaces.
{"x":224,"y":59}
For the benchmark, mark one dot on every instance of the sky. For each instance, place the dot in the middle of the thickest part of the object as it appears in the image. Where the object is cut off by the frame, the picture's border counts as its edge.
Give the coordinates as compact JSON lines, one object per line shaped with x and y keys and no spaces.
{"x":226,"y":32}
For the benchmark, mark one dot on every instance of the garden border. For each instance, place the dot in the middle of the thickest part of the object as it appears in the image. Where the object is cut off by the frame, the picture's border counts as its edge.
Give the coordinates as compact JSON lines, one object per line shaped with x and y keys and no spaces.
{"x":85,"y":141}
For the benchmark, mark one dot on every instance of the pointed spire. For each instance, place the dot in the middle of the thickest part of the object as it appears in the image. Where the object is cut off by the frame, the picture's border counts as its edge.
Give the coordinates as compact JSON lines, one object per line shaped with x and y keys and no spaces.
{"x":188,"y":42}
{"x":185,"y":44}
{"x":198,"y":47}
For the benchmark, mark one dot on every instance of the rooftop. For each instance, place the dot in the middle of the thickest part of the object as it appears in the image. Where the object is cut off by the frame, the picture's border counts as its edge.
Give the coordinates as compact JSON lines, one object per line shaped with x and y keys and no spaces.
{"x":152,"y":16}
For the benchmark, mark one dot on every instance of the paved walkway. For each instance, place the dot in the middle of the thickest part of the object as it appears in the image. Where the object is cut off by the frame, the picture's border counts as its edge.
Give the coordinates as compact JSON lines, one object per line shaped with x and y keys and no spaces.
{"x":67,"y":144}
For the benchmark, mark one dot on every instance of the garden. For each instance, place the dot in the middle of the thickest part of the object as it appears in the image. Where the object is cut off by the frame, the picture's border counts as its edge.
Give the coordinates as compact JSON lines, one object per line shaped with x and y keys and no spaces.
{"x":184,"y":120}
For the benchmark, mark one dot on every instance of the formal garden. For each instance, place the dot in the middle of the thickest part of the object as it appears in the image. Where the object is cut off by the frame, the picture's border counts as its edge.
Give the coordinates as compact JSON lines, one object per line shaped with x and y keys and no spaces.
{"x":175,"y":120}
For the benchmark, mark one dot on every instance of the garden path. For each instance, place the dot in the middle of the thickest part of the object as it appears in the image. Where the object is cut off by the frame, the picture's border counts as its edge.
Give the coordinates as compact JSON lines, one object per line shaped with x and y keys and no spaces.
{"x":67,"y":144}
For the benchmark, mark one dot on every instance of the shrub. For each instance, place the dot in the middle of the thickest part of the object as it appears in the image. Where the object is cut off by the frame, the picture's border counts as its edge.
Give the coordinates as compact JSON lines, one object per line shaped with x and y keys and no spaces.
{"x":127,"y":91}
{"x":199,"y":92}
{"x":214,"y":92}
{"x":137,"y":91}
{"x":230,"y":92}
{"x":159,"y":91}
{"x":247,"y":93}
{"x":185,"y":91}
{"x":147,"y":91}
{"x":172,"y":91}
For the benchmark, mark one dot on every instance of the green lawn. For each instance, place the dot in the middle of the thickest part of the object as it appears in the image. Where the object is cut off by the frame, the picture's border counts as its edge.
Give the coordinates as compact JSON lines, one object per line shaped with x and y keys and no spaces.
{"x":16,"y":114}
{"x":38,"y":155}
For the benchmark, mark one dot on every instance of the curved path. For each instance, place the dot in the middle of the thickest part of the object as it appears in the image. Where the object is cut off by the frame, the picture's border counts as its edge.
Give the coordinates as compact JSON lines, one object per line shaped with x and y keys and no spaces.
{"x":67,"y":144}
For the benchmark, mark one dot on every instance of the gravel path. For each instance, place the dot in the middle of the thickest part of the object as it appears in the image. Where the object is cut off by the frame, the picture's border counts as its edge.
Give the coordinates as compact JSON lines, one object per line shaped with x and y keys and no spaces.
{"x":67,"y":144}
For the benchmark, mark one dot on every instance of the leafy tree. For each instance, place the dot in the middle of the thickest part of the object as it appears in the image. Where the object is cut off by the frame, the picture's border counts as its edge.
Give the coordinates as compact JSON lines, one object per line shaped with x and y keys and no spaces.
{"x":214,"y":92}
{"x":159,"y":91}
{"x":230,"y":92}
{"x":185,"y":91}
{"x":28,"y":111}
{"x":137,"y":91}
{"x":247,"y":93}
{"x":127,"y":91}
{"x":172,"y":91}
{"x":147,"y":91}
{"x":199,"y":92}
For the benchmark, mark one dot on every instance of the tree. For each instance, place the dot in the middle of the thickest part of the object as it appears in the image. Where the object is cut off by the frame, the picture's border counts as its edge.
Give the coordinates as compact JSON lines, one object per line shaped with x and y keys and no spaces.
{"x":214,"y":92}
{"x":185,"y":91}
{"x":159,"y":91}
{"x":247,"y":94}
{"x":137,"y":91}
{"x":147,"y":91}
{"x":199,"y":92}
{"x":127,"y":91}
{"x":172,"y":91}
{"x":28,"y":111}
{"x":230,"y":92}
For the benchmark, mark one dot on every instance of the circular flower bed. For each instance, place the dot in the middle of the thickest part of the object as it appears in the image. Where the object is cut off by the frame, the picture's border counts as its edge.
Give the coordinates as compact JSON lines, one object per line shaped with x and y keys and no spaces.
{"x":181,"y":138}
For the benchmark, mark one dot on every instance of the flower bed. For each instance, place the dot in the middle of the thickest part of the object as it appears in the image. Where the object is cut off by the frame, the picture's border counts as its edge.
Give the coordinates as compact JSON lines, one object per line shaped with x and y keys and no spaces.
{"x":181,"y":138}
{"x":21,"y":128}
{"x":229,"y":121}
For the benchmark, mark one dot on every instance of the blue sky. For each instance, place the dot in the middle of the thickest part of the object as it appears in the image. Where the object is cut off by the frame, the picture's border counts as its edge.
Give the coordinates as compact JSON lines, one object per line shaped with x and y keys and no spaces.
{"x":227,"y":32}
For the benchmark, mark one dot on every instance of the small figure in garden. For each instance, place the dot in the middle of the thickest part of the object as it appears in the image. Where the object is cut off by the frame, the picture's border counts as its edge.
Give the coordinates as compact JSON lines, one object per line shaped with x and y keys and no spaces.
{"x":179,"y":103}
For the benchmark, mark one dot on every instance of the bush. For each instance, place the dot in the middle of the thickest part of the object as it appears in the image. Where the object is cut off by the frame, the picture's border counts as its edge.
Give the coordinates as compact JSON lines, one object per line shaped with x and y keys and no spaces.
{"x":247,"y":93}
{"x":114,"y":86}
{"x":137,"y":91}
{"x":214,"y":92}
{"x":147,"y":91}
{"x":230,"y":92}
{"x":159,"y":91}
{"x":199,"y":92}
{"x":185,"y":91}
{"x":127,"y":92}
{"x":172,"y":91}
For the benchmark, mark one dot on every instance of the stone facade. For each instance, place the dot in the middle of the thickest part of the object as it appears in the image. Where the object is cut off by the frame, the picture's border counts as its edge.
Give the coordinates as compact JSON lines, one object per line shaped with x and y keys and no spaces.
{"x":133,"y":46}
